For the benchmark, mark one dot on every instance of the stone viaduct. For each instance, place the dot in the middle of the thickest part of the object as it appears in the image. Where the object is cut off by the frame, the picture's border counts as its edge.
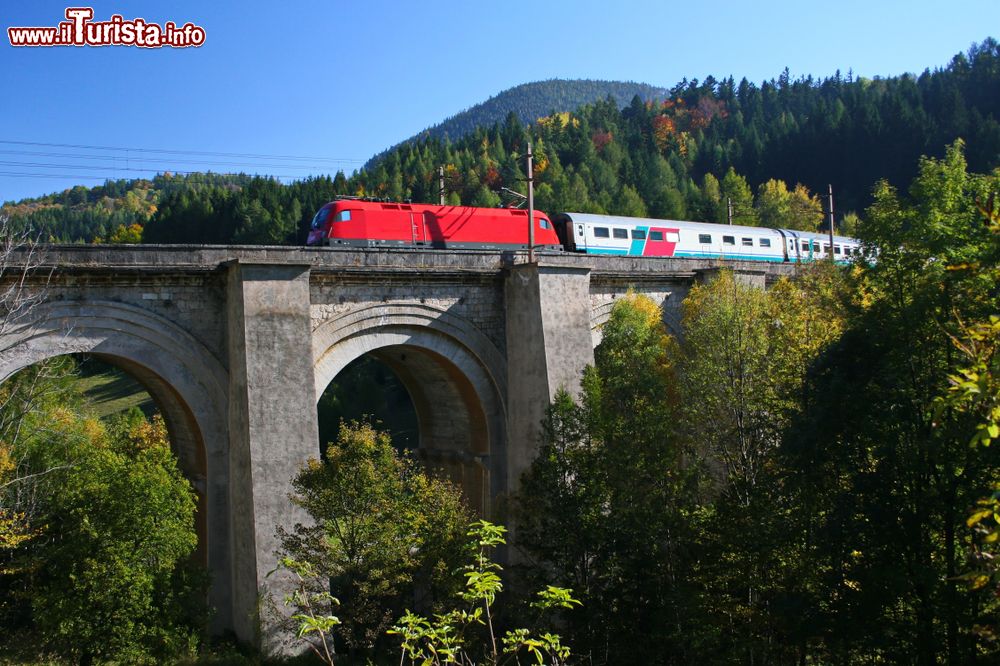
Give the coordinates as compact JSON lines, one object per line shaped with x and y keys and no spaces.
{"x":237,"y":344}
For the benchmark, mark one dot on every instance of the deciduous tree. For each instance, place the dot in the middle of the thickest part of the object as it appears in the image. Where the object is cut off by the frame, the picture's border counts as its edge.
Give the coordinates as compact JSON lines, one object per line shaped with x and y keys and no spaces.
{"x":385,"y":537}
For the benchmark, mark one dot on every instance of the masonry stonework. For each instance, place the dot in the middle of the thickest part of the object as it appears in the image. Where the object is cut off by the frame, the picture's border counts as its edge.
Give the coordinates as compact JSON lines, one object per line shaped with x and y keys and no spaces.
{"x":237,"y":344}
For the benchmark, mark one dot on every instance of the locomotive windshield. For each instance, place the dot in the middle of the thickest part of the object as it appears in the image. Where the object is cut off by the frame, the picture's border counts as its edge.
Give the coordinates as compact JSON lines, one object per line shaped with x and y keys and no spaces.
{"x":320,"y":217}
{"x":324,"y":215}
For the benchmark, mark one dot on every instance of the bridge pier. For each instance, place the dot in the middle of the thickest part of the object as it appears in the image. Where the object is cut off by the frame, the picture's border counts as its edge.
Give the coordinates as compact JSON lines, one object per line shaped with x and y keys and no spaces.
{"x":548,"y":346}
{"x":272,"y":428}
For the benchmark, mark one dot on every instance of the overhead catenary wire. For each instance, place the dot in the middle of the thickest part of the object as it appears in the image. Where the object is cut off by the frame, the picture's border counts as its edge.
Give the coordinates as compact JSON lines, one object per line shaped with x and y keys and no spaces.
{"x":18,"y":174}
{"x":117,"y":158}
{"x":116,"y":168}
{"x":92,"y":162}
{"x":172,"y":151}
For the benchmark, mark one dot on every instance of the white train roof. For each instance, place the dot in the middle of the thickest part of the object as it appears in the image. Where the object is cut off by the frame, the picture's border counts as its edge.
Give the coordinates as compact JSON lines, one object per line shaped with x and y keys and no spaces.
{"x":707,"y":227}
{"x":818,"y":235}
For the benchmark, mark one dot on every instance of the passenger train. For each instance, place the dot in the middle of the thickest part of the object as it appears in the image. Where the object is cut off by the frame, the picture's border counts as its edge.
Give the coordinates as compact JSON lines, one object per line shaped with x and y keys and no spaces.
{"x":358,"y":223}
{"x":610,"y":234}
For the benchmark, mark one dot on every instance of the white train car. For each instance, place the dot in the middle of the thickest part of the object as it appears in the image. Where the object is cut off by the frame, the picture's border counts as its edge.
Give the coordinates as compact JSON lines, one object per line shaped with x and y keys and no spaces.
{"x":810,"y":246}
{"x":641,"y":237}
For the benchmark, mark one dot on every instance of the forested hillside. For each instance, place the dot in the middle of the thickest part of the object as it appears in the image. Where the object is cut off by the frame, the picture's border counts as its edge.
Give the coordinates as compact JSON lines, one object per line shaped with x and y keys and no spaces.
{"x":530,"y":101}
{"x":716,"y":139}
{"x":768,"y":148}
{"x":113,"y":212}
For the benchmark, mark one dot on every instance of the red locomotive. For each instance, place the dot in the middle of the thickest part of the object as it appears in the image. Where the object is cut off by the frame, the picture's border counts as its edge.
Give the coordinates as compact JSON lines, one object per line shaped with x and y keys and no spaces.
{"x":357,"y":223}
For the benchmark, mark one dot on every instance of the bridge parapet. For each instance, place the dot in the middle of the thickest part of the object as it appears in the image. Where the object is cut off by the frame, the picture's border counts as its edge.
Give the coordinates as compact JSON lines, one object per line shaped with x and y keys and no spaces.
{"x":76,"y":258}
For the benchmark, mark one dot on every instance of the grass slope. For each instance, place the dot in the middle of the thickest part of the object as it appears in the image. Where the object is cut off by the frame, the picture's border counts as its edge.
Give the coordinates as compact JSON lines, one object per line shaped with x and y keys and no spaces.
{"x":109,"y":390}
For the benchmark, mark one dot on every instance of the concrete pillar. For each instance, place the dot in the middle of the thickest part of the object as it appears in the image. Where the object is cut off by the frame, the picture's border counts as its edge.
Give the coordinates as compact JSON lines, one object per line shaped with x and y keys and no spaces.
{"x":272,"y":426}
{"x":548,"y":346}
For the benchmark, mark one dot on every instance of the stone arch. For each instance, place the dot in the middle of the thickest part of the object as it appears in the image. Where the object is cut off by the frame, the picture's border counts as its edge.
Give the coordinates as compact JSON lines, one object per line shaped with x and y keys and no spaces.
{"x":185,"y":380}
{"x":598,"y":318}
{"x":455,"y":377}
{"x":600,"y":314}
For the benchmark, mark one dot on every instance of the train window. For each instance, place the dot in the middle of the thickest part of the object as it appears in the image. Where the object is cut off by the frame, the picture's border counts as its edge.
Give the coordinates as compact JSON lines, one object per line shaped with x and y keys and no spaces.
{"x":543,"y":223}
{"x":805,"y":246}
{"x":601,"y":232}
{"x":343,"y":216}
{"x":673,"y":237}
{"x":655,"y":235}
{"x":836,"y":249}
{"x":729,"y":240}
{"x":747,"y":241}
{"x":620,"y":233}
{"x":705,"y":239}
{"x":320,"y":218}
{"x":638,"y":234}
{"x":764,"y":242}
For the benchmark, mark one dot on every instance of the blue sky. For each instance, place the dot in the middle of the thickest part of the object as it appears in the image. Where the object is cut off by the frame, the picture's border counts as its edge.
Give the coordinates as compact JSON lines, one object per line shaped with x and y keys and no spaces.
{"x":338,"y":81}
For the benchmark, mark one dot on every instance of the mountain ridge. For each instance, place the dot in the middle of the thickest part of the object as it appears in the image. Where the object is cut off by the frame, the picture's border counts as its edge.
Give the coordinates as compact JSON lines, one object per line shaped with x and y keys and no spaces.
{"x":529,"y":101}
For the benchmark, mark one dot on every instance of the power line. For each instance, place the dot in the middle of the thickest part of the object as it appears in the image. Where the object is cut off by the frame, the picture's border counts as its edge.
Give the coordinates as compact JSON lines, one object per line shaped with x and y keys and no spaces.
{"x":24,"y":174}
{"x":114,"y":158}
{"x":185,"y":152}
{"x":116,"y":169}
{"x":20,"y":174}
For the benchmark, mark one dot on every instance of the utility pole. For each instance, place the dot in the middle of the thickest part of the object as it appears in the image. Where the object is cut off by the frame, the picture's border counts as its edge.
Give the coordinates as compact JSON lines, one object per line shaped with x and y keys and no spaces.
{"x":531,"y":208}
{"x":441,"y":184}
{"x":830,"y":195}
{"x":729,"y":210}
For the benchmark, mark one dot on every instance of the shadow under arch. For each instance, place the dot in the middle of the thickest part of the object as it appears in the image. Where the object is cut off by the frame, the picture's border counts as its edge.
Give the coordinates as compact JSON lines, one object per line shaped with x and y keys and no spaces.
{"x":186,"y":382}
{"x":455,"y":377}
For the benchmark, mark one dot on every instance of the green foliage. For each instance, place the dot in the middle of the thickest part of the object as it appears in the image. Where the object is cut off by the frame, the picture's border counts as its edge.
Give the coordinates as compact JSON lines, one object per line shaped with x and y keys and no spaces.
{"x":105,"y":213}
{"x":106,"y":572}
{"x":126,"y":235}
{"x":736,"y":194}
{"x":606,"y":506}
{"x":106,"y":575}
{"x":973,"y":389}
{"x":848,"y":225}
{"x":783,"y":209}
{"x":743,"y":364}
{"x":384,"y":535}
{"x":121,"y":527}
{"x":449,"y":638}
{"x":897,"y":476}
{"x":744,"y":354}
{"x":311,"y":601}
{"x":253,"y":211}
{"x":659,"y":496}
{"x":36,"y":390}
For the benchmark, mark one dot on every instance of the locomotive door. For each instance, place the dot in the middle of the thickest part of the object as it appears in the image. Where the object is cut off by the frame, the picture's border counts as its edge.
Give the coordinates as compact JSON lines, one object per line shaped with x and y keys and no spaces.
{"x":418,"y":228}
